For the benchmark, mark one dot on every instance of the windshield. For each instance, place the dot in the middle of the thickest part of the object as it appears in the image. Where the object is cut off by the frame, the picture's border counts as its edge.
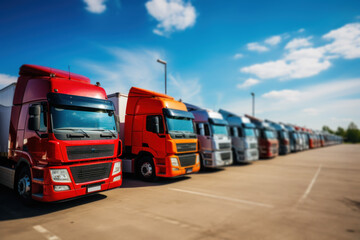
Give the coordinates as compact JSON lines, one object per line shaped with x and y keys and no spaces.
{"x":269,"y":134}
{"x":179,"y":124}
{"x":219,"y":129}
{"x":284,"y":134}
{"x":249,"y":132}
{"x":64,"y":118}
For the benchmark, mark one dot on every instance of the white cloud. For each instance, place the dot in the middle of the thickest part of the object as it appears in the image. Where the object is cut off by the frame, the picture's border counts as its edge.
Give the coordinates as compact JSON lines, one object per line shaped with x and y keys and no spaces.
{"x":346,"y":41}
{"x":298,"y":43}
{"x":238,"y":55}
{"x":301,"y":61}
{"x":297,"y":64}
{"x":172,"y":15}
{"x":283,"y":95}
{"x":256,"y":47}
{"x":95,"y":6}
{"x":312,"y":105}
{"x":248,"y":83}
{"x":274,"y":40}
{"x":139,"y":68}
{"x":6,"y":79}
{"x":186,"y":90}
{"x":311,"y":111}
{"x":301,"y":30}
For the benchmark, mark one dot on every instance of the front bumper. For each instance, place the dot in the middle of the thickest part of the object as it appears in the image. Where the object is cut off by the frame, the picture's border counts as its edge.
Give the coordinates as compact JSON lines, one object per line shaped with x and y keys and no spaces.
{"x":45,"y":192}
{"x":248,"y":155}
{"x":168,"y":170}
{"x":213,"y":159}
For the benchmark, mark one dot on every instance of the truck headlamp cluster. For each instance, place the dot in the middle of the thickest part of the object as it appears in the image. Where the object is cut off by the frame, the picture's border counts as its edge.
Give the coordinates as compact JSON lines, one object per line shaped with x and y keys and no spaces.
{"x":197,"y":158}
{"x":60,"y":175}
{"x":174,"y":161}
{"x":117,"y":168}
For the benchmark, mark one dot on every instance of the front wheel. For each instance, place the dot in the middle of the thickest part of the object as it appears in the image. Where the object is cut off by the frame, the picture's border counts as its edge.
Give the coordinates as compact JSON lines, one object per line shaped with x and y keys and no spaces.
{"x":23,"y":186}
{"x":146,"y":169}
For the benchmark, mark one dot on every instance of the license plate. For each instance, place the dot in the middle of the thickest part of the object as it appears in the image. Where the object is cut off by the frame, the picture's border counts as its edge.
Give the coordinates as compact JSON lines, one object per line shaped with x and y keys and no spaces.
{"x":94,"y":188}
{"x":189,"y":170}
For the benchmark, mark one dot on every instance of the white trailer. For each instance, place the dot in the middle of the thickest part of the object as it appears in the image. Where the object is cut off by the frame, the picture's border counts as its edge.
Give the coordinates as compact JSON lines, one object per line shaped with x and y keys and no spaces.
{"x":6,"y":101}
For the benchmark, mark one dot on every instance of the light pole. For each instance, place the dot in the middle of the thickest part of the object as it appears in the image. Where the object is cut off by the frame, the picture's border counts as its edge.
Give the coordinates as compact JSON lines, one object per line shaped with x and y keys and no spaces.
{"x":163,"y":62}
{"x":253,"y":104}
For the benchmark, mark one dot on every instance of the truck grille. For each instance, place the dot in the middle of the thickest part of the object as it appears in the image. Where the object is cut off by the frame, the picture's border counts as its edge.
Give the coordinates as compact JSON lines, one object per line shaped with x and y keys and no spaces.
{"x":253,"y":145}
{"x":92,"y":172}
{"x":187,"y":159}
{"x":90,"y":151}
{"x":225,"y":156}
{"x":185,"y":147}
{"x":224,"y":145}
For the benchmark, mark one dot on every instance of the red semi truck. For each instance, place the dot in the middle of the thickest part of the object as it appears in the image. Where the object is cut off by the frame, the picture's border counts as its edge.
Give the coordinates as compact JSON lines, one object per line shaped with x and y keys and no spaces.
{"x":267,"y":140}
{"x":58,"y":136}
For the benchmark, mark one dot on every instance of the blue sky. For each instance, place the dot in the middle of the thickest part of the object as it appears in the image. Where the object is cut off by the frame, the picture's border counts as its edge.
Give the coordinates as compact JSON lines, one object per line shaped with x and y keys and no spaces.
{"x":300,"y":58}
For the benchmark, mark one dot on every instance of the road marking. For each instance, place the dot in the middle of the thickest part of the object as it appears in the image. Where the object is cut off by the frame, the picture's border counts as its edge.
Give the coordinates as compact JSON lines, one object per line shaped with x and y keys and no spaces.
{"x":306,"y":193}
{"x":49,"y":235}
{"x":223,"y":198}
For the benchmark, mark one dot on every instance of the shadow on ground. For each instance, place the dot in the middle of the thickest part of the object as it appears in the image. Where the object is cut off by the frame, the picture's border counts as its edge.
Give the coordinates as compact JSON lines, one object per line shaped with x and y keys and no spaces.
{"x":131,"y":181}
{"x":11,"y":208}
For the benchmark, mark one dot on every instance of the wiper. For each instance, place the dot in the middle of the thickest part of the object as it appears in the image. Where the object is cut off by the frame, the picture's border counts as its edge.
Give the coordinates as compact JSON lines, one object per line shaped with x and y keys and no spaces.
{"x":103,"y":135}
{"x":74,"y":129}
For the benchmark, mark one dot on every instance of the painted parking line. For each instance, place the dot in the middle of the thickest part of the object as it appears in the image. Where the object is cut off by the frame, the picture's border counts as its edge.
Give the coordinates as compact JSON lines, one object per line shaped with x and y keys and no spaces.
{"x":46,"y":233}
{"x":223,"y":198}
{"x":308,"y":190}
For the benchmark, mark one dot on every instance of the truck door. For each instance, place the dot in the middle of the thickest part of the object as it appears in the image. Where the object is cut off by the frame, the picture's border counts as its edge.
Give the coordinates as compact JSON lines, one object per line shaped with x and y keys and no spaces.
{"x":204,"y":137}
{"x":153,"y":139}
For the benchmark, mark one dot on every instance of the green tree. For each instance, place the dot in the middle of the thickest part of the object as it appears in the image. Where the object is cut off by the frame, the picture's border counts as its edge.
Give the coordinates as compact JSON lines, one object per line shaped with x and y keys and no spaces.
{"x":340,"y":132}
{"x":327,"y":129}
{"x":353,"y":133}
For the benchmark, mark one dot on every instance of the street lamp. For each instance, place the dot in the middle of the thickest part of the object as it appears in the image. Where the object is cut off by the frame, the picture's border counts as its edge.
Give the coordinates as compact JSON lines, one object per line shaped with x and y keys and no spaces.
{"x":163,"y":62}
{"x":253,"y":104}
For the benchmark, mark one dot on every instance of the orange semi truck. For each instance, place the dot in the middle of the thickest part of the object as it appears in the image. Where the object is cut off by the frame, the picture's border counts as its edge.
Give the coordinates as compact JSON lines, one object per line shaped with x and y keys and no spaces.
{"x":158,"y":134}
{"x":58,"y":137}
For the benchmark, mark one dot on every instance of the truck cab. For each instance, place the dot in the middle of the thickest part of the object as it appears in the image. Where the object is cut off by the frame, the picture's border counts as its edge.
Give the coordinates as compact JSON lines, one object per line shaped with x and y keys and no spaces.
{"x":282,"y":136}
{"x":159,"y":135}
{"x":243,"y":139}
{"x":294,"y":138}
{"x":267,"y":138}
{"x":212,"y":133}
{"x":62,"y":138}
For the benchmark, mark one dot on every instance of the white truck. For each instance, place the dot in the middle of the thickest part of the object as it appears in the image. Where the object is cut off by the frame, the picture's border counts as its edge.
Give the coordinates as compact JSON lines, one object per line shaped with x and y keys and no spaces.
{"x":243,"y":138}
{"x":214,"y":140}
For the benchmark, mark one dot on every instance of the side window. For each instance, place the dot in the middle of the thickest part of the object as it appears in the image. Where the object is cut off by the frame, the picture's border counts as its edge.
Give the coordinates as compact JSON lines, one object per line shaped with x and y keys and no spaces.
{"x":207,"y":129}
{"x":43,"y":118}
{"x":150,"y":123}
{"x":232,"y":134}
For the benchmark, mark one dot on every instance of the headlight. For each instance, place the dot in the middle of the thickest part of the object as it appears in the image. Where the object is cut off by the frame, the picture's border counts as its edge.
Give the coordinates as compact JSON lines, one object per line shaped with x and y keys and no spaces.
{"x":117,"y":168}
{"x":174,"y":161}
{"x":60,"y":175}
{"x":197,"y":158}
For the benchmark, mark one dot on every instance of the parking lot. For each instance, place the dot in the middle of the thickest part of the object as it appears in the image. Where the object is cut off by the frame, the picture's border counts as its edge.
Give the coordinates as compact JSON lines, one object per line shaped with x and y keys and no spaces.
{"x":313,"y":194}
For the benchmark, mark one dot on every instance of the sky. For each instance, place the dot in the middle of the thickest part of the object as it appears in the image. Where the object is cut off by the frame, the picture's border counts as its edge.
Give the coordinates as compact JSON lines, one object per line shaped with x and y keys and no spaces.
{"x":301,"y":59}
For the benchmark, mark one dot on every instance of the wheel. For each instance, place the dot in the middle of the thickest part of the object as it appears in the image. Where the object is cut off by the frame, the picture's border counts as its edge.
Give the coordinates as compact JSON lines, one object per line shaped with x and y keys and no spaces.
{"x":146,"y":169}
{"x":23,"y":186}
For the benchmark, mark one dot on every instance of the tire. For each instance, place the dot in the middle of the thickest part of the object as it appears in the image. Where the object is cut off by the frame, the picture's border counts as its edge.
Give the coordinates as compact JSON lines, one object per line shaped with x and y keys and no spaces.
{"x":23,"y":186}
{"x":145,"y":169}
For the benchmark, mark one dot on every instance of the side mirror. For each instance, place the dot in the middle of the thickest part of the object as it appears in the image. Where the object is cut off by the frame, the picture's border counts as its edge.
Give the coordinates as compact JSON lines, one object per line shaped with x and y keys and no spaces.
{"x":34,"y":117}
{"x":117,"y":121}
{"x":156,"y":124}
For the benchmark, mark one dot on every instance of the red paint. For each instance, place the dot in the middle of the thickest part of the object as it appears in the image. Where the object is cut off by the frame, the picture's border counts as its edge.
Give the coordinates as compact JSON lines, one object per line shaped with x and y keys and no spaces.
{"x":43,"y":154}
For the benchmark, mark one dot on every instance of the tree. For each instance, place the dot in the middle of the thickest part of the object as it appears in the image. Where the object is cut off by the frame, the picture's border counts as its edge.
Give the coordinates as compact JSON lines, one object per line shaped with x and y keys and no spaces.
{"x":353,"y":133}
{"x":340,"y":132}
{"x":327,"y":129}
